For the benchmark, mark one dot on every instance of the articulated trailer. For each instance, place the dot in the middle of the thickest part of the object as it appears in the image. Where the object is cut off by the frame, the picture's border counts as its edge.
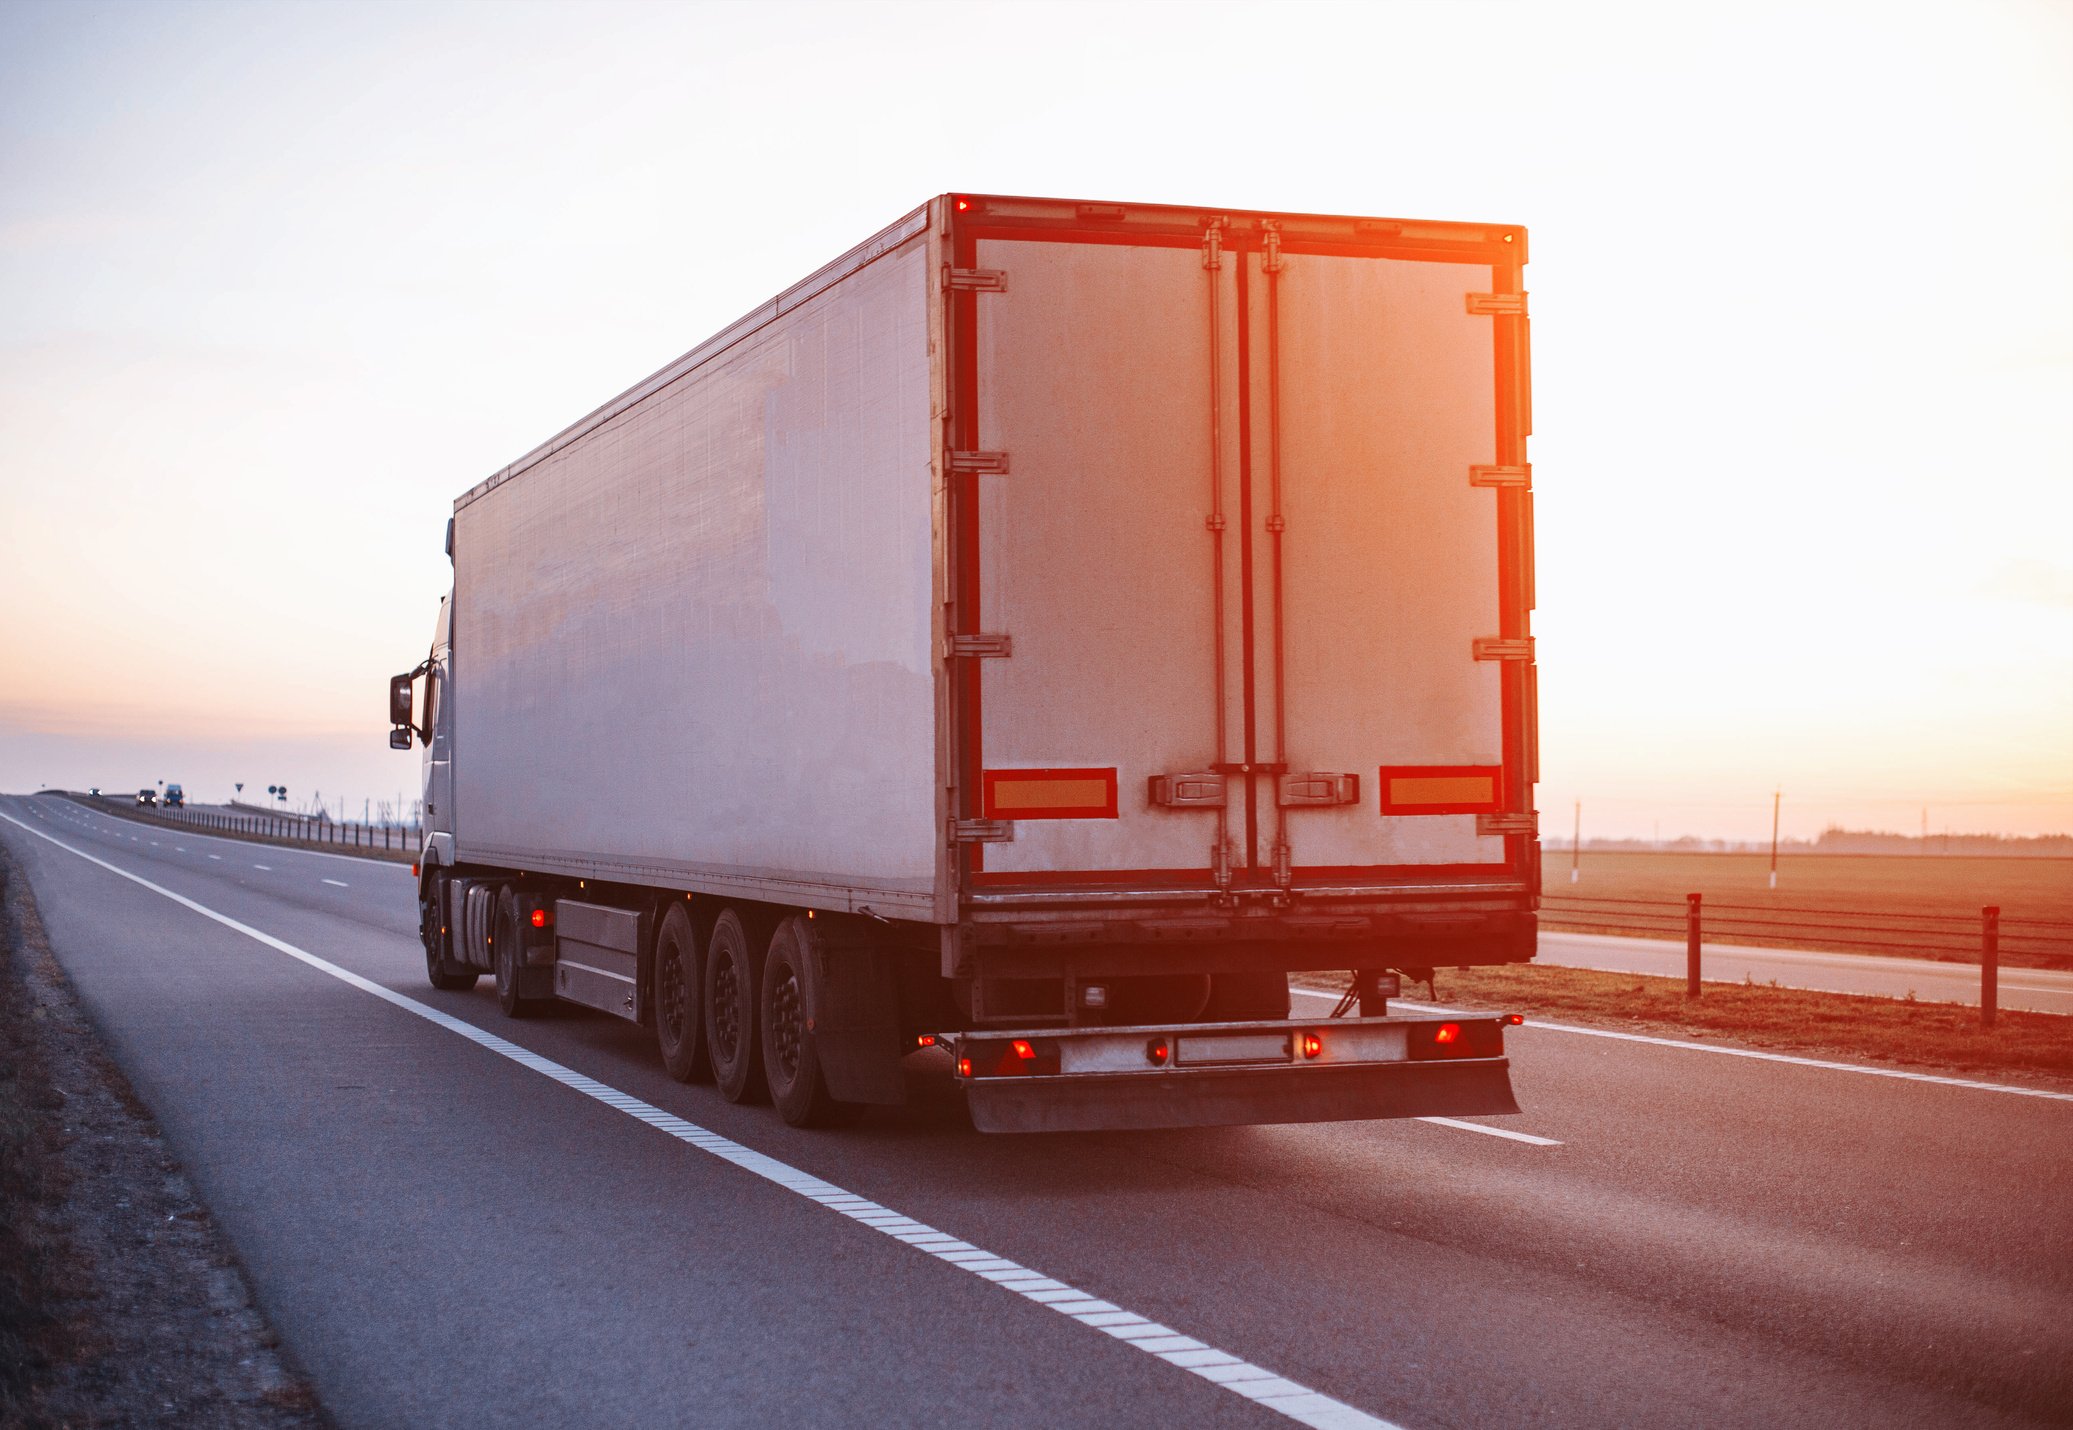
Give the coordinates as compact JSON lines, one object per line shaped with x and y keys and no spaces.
{"x":1027,"y":641}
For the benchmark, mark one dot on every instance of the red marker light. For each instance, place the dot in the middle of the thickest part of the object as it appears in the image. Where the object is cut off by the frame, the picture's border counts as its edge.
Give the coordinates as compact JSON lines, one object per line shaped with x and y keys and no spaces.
{"x":925,"y":1040}
{"x":1157,"y":1051}
{"x":964,"y":1067}
{"x":413,"y":871}
{"x":1312,"y":1045}
{"x":1513,"y":1020}
{"x":541,"y":918}
{"x":1023,"y":1050}
{"x":963,"y":203}
{"x":1447,"y":1033}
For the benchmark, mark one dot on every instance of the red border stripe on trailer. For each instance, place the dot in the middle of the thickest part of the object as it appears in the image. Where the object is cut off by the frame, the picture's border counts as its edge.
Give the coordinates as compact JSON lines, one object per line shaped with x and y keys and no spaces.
{"x":1051,"y":794}
{"x":1442,"y":789}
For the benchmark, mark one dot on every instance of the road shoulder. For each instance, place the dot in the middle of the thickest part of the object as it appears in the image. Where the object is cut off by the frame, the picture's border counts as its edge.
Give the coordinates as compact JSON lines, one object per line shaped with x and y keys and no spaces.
{"x":123,"y":1303}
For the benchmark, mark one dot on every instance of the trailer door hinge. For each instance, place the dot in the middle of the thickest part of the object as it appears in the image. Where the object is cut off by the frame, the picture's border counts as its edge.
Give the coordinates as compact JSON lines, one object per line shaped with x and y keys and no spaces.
{"x":1195,"y":789}
{"x":1501,"y":648}
{"x":1317,"y":789}
{"x":975,"y":280}
{"x":1213,"y":244}
{"x":1272,"y":261}
{"x":993,"y":463}
{"x":1497,"y":303}
{"x":982,"y":831}
{"x":1521,"y":476}
{"x":1493,"y":824}
{"x":980,"y":647}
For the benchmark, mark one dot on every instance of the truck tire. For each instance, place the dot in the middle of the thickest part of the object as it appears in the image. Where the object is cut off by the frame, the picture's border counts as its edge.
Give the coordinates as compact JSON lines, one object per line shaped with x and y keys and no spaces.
{"x":733,"y":959}
{"x":440,"y":970}
{"x":680,"y":998}
{"x":508,"y":946}
{"x":791,"y":1061}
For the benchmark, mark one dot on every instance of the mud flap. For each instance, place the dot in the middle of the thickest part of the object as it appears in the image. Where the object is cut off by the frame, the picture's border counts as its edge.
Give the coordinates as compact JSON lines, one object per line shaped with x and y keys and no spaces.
{"x":1226,"y":1097}
{"x":852,"y":999}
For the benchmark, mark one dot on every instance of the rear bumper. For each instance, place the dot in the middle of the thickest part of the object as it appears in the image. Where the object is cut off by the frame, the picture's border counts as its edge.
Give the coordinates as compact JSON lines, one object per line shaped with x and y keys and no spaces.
{"x":1224,"y":1097}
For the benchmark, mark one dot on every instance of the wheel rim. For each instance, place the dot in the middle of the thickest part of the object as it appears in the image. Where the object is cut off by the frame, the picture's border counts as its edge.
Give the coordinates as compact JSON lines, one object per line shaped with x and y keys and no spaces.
{"x":726,"y":1012}
{"x":784,"y":1024}
{"x":670,"y":999}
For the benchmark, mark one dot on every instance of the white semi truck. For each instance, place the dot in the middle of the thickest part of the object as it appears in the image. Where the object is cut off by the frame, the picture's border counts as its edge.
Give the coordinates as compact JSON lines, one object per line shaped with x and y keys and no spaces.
{"x":1028,"y":639}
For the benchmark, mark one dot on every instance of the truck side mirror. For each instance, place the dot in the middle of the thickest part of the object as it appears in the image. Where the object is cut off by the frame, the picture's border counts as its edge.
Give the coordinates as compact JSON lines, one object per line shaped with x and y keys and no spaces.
{"x":399,"y":705}
{"x":399,"y":738}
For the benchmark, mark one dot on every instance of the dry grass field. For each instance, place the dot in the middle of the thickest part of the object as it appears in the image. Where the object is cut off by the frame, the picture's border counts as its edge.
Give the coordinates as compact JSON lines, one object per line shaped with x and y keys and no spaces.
{"x":1926,"y":906}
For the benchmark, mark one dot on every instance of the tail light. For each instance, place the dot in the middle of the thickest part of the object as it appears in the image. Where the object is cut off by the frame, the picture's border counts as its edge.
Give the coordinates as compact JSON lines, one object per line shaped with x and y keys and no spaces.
{"x":1310,"y":1044}
{"x":1008,"y":1057}
{"x":542,"y":918}
{"x":1480,"y":1038}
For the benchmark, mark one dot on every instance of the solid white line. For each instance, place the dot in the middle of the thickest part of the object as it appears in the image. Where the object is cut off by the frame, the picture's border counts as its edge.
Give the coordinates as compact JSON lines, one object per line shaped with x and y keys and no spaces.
{"x":1256,"y":1383}
{"x":1526,"y":1137}
{"x":1898,"y":1073}
{"x":340,"y":882}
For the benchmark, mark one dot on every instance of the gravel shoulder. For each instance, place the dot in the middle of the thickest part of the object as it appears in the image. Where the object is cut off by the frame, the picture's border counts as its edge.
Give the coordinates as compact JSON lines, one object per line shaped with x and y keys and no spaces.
{"x":121,"y":1302}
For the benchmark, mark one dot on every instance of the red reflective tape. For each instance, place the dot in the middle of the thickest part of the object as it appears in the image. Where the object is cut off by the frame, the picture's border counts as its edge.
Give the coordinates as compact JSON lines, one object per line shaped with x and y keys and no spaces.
{"x":1441,"y":789}
{"x":1050,"y":794}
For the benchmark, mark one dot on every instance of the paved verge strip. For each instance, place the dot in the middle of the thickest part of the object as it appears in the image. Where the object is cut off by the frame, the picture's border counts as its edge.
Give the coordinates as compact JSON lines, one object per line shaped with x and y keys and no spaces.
{"x":1241,"y":1377}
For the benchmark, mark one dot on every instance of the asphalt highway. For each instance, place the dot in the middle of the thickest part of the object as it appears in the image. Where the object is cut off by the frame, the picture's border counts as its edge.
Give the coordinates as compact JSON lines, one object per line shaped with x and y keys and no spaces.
{"x":458,"y":1219}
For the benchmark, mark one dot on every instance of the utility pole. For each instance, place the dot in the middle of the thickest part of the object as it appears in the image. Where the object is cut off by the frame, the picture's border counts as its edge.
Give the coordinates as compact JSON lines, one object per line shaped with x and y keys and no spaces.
{"x":1776,"y":796}
{"x":1576,"y":845}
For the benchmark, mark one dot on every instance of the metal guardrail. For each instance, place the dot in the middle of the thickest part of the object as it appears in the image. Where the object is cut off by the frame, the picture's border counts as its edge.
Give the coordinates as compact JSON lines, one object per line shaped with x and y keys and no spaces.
{"x":2046,"y":943}
{"x":295,"y":828}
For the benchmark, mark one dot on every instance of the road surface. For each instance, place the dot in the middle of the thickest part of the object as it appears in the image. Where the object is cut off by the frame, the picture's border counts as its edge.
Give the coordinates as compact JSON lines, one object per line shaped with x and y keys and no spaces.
{"x":462,"y":1220}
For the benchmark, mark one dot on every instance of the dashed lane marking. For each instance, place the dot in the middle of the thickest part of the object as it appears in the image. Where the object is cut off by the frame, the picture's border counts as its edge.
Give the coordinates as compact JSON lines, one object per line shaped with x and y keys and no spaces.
{"x":1505,"y":1132}
{"x":339,"y":882}
{"x":1256,"y":1383}
{"x":267,"y":867}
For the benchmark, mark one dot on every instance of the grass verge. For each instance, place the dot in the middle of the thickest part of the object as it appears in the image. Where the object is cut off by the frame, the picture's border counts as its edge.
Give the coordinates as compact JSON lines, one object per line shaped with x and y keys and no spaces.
{"x":38,"y":1268}
{"x":1941,"y":1037}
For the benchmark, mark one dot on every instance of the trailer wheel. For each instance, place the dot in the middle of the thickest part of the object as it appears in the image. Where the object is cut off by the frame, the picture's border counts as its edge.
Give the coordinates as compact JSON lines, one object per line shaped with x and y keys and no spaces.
{"x":509,"y":947}
{"x":439,"y":966}
{"x":791,"y":1063}
{"x":731,"y":967}
{"x":680,"y":998}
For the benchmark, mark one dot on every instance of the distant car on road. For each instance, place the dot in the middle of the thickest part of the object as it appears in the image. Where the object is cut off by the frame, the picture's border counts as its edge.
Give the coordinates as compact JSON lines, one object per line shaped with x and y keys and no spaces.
{"x":147,"y":796}
{"x":176,"y":798}
{"x":95,"y":791}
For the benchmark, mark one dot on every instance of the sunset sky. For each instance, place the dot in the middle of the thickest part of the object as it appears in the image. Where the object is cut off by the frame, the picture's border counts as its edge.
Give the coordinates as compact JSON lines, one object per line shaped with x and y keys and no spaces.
{"x":277,"y":282}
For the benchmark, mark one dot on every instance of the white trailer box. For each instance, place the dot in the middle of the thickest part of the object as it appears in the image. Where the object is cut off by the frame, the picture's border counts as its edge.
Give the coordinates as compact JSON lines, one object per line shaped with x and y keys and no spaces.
{"x":1084,"y":591}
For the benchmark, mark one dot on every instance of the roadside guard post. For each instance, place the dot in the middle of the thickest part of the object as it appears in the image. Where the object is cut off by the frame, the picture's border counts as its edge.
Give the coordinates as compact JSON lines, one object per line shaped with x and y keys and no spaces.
{"x":1989,"y":963}
{"x":1691,"y":945}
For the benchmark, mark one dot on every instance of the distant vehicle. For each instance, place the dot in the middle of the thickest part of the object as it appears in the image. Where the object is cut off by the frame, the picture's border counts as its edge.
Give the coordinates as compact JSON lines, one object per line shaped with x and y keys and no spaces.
{"x":176,"y":798}
{"x":147,"y":796}
{"x":919,"y":664}
{"x":95,"y":791}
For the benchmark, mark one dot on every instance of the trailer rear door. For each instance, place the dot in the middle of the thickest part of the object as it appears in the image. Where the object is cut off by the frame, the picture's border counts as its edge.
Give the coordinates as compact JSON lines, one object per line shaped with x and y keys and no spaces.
{"x":1234,"y":603}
